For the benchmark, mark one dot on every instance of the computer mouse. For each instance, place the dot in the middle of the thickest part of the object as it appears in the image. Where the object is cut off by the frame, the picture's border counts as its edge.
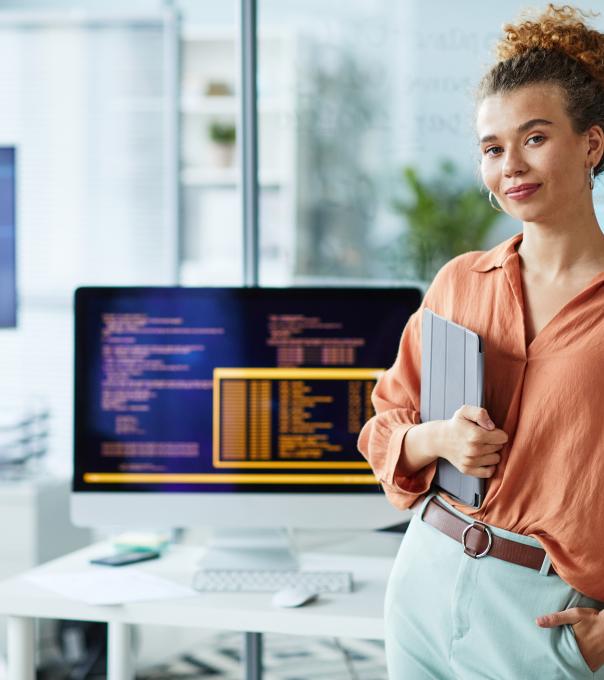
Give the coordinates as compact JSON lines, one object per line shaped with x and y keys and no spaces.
{"x":293,"y":597}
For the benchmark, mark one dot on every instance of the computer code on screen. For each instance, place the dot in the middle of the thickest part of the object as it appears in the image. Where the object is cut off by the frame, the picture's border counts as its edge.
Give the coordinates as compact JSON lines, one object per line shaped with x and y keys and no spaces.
{"x":214,"y":389}
{"x":8,"y":306}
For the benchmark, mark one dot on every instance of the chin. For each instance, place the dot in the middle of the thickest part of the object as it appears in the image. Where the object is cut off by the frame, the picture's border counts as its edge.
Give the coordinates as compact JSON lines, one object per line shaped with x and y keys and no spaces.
{"x":528,"y":213}
{"x":530,"y":217}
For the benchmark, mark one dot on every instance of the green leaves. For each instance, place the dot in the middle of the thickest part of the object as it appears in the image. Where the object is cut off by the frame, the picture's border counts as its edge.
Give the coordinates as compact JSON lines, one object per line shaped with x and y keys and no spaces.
{"x":222,"y":133}
{"x":444,"y":217}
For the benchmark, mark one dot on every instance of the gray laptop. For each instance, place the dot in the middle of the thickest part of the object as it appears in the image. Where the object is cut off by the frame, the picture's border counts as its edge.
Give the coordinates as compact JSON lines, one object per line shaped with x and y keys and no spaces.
{"x":452,"y":375}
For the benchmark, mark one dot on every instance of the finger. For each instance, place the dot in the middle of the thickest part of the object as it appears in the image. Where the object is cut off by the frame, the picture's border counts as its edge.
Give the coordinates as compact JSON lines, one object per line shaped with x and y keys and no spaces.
{"x":487,"y":471}
{"x":482,"y":437}
{"x":490,"y":448}
{"x":492,"y":437}
{"x":573,"y":615}
{"x":491,"y":459}
{"x":484,"y":456}
{"x":477,"y":415}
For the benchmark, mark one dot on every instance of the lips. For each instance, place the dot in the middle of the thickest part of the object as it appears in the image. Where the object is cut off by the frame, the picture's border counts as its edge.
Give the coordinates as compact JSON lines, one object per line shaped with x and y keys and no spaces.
{"x":522,"y":191}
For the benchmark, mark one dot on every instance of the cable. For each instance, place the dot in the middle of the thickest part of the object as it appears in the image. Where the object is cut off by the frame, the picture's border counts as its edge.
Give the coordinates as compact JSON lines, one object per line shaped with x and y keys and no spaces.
{"x":347,"y":659}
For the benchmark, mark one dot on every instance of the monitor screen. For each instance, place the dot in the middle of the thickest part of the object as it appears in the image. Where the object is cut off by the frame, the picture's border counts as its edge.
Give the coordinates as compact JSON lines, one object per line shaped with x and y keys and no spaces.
{"x":230,"y":390}
{"x":8,"y":285}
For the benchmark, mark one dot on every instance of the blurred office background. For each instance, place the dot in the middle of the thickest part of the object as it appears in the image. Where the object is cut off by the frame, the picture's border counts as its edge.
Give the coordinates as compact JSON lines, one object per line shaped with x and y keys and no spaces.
{"x":116,"y":108}
{"x":125,"y":116}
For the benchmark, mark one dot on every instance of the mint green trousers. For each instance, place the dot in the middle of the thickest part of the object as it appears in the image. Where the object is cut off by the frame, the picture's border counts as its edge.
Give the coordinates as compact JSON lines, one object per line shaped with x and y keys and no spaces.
{"x":449,"y":616}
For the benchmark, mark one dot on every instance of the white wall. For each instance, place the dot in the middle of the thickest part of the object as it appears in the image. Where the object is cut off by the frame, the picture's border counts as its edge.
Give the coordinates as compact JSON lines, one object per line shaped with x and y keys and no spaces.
{"x":84,"y":106}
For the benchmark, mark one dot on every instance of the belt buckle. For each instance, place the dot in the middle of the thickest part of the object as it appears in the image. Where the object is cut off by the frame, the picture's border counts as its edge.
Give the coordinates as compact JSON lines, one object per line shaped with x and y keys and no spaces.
{"x":467,"y":550}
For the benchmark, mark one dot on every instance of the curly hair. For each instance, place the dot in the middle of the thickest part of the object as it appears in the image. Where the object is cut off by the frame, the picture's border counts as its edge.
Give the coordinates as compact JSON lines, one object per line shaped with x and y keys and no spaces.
{"x":558,"y":48}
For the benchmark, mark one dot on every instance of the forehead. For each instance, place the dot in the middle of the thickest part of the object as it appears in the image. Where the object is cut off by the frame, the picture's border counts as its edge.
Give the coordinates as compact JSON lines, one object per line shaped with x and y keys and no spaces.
{"x":500,"y":113}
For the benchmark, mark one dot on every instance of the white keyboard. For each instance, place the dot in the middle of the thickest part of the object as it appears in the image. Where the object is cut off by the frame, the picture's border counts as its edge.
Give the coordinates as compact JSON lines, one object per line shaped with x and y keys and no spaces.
{"x":223,"y":581}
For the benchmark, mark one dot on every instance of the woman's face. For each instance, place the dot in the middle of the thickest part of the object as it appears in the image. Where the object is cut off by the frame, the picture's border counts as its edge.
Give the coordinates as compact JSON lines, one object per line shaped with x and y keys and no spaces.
{"x":526,"y":139}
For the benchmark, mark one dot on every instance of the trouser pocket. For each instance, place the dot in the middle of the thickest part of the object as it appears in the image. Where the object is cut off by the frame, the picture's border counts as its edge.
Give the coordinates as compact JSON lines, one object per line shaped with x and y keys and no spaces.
{"x":502,"y":639}
{"x":569,"y":643}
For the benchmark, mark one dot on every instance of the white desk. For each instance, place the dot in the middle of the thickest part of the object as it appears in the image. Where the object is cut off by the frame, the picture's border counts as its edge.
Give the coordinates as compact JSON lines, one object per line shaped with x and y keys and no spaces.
{"x":35,"y":527}
{"x":354,"y":615}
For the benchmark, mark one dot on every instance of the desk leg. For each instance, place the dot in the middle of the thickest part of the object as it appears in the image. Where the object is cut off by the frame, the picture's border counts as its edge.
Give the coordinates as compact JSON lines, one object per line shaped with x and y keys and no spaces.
{"x":253,"y":656}
{"x":119,"y":652}
{"x":21,"y":652}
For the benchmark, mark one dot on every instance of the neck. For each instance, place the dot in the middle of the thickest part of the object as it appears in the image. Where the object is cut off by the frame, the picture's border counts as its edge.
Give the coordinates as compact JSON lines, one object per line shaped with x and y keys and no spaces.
{"x":555,"y":252}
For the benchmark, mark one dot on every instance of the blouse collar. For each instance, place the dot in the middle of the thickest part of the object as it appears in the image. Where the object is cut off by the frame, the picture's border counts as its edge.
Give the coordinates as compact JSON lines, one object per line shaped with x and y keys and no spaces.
{"x":497,"y":255}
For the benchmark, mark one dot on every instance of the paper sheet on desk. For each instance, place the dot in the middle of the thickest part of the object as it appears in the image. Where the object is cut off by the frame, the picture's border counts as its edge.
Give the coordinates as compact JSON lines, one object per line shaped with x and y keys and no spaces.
{"x":101,"y":586}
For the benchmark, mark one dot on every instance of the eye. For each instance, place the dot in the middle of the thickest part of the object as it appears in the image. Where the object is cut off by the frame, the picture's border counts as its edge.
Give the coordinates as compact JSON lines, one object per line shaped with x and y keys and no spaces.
{"x":495,"y":150}
{"x":487,"y":152}
{"x":537,"y":137}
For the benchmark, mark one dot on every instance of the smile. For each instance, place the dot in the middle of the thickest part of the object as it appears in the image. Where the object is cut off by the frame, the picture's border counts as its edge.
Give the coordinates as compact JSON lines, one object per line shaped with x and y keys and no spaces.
{"x":523,"y":192}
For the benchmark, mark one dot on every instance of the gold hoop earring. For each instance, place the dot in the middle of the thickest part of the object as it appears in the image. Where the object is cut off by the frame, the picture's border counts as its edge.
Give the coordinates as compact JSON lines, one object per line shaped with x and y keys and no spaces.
{"x":493,"y":205}
{"x":592,"y":177}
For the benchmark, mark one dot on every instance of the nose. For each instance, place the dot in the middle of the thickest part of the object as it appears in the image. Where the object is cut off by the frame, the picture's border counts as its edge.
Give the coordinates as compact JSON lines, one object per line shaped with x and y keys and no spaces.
{"x":514,"y":164}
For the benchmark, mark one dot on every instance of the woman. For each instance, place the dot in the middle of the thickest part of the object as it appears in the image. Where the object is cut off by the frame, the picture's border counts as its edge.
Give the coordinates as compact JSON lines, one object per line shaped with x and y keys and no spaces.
{"x":470,"y":607}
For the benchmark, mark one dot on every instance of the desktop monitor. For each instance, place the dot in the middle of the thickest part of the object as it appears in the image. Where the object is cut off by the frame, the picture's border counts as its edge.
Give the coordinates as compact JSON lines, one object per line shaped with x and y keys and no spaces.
{"x":232,"y":407}
{"x":8,"y":285}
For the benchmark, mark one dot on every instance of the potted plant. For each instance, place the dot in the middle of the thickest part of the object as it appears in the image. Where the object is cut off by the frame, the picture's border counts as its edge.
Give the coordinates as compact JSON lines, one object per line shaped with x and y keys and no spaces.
{"x":223,"y":136}
{"x":444,"y":217}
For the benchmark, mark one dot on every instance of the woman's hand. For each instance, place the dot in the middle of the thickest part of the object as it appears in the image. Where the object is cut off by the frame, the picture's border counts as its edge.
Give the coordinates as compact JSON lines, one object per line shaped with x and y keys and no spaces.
{"x":469,"y":441}
{"x":588,"y":625}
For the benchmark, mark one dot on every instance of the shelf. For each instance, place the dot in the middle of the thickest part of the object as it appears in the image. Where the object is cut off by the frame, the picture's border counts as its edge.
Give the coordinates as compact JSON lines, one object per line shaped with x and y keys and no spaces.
{"x":220,"y":33}
{"x":214,"y":105}
{"x":212,"y":192}
{"x":226,"y":177}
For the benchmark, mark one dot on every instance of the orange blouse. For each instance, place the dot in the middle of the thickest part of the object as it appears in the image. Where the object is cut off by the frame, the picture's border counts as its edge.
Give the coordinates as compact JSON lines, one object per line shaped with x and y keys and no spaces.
{"x":548,"y":398}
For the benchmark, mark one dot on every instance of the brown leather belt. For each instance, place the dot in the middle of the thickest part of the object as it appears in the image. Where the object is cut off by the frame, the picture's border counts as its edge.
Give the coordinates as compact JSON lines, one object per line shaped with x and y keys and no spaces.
{"x":478,"y":540}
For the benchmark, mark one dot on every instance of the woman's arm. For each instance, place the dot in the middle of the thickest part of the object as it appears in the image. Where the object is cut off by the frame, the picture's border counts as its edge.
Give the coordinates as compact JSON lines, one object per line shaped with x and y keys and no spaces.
{"x":420,"y":447}
{"x":382,"y":440}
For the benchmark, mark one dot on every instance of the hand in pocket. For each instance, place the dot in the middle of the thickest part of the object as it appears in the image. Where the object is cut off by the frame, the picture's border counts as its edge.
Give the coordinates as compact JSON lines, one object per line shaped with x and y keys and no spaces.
{"x":588,"y":626}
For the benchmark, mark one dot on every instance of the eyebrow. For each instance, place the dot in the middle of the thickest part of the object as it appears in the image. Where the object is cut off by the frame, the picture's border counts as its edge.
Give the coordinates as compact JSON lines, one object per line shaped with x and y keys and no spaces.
{"x":521,"y":128}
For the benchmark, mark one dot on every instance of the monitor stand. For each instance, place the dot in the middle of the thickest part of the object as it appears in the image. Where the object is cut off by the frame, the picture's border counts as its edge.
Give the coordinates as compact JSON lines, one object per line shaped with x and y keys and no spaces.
{"x":262,"y":549}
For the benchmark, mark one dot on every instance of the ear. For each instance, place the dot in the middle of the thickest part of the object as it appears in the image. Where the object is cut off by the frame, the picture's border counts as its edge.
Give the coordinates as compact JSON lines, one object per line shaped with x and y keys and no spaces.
{"x":595,"y":145}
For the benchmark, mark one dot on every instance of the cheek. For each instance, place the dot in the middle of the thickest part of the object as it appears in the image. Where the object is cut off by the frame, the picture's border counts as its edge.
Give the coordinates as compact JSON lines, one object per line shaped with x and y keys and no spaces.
{"x":489,"y":175}
{"x":562,"y":182}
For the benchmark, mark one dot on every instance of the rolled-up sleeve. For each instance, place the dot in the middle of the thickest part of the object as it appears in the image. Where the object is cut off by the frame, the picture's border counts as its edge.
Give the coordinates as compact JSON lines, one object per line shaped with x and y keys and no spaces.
{"x":396,"y":400}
